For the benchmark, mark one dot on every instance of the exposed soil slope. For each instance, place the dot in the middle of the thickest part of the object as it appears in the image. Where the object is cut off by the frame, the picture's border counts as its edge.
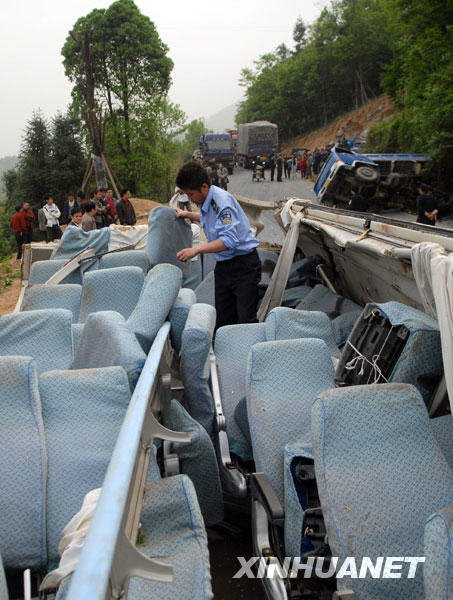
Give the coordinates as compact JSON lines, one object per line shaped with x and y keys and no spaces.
{"x":354,"y":124}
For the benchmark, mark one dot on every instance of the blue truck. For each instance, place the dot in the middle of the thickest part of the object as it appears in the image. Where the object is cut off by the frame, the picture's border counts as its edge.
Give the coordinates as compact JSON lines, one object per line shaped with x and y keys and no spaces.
{"x":384,"y":180}
{"x":218,"y":146}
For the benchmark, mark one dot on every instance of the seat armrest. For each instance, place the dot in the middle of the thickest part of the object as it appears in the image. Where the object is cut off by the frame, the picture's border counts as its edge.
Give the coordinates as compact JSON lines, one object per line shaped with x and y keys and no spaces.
{"x":262,"y":490}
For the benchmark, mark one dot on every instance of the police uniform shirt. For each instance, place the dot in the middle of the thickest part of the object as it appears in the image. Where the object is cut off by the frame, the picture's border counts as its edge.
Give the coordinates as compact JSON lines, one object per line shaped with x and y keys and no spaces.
{"x":222,"y":218}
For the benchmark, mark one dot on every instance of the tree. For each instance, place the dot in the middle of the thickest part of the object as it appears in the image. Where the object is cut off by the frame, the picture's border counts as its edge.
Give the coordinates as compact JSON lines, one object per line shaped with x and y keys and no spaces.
{"x":67,"y":158}
{"x":117,"y":62}
{"x":194,"y":130}
{"x":34,"y":170}
{"x":299,"y":33}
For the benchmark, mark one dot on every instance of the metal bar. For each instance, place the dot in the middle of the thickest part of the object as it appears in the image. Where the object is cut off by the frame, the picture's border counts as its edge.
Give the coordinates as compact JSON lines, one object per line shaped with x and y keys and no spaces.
{"x":91,"y":578}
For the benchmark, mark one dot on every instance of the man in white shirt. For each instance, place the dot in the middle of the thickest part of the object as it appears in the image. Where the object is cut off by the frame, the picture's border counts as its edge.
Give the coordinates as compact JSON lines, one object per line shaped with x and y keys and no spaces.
{"x":52,"y":214}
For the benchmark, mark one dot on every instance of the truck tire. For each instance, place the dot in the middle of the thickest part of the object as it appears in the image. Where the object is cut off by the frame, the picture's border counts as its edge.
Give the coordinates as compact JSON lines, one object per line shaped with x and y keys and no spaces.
{"x":366,"y":174}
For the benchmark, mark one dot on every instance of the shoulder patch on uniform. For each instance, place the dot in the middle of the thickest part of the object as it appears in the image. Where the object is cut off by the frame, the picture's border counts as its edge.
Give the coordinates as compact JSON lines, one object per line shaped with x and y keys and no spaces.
{"x":225,"y":216}
{"x":214,"y":206}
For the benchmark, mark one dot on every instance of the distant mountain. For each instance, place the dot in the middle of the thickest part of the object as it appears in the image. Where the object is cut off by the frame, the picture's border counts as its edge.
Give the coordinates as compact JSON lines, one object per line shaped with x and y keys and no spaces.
{"x":224,"y":119}
{"x":7,"y":162}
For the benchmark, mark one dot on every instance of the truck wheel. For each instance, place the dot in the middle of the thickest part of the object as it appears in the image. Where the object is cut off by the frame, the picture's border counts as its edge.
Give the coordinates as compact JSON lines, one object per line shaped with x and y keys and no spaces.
{"x":366,"y":174}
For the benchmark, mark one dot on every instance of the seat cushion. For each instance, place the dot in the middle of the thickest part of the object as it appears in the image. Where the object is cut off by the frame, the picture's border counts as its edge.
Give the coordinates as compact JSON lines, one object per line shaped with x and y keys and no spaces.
{"x":107,"y":341}
{"x":194,"y":364}
{"x":23,"y":465}
{"x":115,"y":289}
{"x":197,"y":460}
{"x":43,"y":270}
{"x":126,"y":258}
{"x":38,"y":297}
{"x":380,"y":475}
{"x":160,"y":290}
{"x":438,"y":566}
{"x":287,"y":324}
{"x":166,"y":236}
{"x":443,"y":432}
{"x":232,"y":347}
{"x":173,"y":528}
{"x":46,"y":335}
{"x":284,"y":378}
{"x":205,"y":292}
{"x":82,"y":413}
{"x":178,"y":315}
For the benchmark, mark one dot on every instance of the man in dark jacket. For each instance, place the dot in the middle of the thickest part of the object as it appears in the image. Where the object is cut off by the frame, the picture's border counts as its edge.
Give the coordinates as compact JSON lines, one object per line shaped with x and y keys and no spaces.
{"x":279,"y":167}
{"x":272,"y":166}
{"x":125,"y":210}
{"x":69,"y":204}
{"x":426,"y":206}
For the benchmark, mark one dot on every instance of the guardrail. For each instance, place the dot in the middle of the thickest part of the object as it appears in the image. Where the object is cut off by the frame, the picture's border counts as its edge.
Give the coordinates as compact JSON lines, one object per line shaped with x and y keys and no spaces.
{"x":109,"y":556}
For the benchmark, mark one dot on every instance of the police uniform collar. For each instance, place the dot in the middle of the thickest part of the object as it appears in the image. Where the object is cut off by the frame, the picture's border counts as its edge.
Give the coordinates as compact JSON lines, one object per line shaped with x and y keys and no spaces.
{"x":208,"y":199}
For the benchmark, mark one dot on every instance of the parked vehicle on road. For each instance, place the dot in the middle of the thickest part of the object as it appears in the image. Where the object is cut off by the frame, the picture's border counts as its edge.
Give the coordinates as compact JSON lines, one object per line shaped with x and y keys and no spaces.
{"x":259,"y":138}
{"x":218,"y":146}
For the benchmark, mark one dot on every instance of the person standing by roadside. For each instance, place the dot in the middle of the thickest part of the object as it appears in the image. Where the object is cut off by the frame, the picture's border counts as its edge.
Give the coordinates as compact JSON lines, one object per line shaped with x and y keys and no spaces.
{"x":309,"y":170}
{"x":294,"y":167}
{"x":29,"y":217}
{"x":88,"y":222}
{"x":76,"y":217}
{"x":111,"y":201}
{"x":222,"y":174}
{"x":279,"y":168}
{"x":303,"y":165}
{"x":427,"y":207}
{"x":289,"y":166}
{"x":52,"y":214}
{"x":272,"y":166}
{"x":19,"y":227}
{"x":125,"y":210}
{"x":285,"y":165}
{"x":230,"y":240}
{"x":100,"y":209}
{"x":69,"y":204}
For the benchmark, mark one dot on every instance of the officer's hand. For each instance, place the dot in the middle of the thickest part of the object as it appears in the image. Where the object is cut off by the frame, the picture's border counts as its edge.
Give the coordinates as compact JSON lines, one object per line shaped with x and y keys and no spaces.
{"x":182,"y":214}
{"x":186,"y":254}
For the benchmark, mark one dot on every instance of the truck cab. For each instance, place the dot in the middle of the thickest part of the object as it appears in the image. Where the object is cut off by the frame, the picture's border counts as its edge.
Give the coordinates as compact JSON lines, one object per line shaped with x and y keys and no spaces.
{"x":218,"y":146}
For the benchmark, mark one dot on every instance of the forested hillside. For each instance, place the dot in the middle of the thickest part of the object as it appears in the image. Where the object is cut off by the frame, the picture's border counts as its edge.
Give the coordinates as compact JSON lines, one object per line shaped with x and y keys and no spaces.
{"x":354,"y":51}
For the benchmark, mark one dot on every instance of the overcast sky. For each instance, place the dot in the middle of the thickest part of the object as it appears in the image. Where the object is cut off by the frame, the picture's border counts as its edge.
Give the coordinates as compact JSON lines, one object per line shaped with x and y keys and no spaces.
{"x":209,"y":42}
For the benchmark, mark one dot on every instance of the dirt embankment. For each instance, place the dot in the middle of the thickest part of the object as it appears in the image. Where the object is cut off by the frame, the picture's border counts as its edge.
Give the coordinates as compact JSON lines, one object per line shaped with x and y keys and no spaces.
{"x":355,"y":124}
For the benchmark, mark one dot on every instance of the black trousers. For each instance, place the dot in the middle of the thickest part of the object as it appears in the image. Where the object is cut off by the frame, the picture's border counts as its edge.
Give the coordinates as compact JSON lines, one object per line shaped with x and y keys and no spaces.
{"x":236,"y":289}
{"x":19,"y":241}
{"x":272,"y":173}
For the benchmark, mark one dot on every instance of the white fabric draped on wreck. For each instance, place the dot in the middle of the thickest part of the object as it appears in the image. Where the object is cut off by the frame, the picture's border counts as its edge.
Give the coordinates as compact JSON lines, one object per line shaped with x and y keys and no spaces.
{"x":433,"y":272}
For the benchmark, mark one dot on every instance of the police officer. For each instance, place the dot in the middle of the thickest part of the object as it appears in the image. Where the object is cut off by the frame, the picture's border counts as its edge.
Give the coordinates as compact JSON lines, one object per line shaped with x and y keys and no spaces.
{"x":230,"y":239}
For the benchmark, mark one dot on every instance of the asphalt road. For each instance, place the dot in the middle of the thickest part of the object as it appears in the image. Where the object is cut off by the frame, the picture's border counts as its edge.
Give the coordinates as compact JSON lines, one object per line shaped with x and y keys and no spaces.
{"x":271,"y":191}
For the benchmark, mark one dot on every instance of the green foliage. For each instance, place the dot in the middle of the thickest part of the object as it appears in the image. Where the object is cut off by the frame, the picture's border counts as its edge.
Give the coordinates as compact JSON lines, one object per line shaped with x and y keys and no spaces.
{"x":130,"y":71}
{"x":190,"y":143}
{"x":420,"y":80}
{"x":67,"y":156}
{"x":336,"y":66}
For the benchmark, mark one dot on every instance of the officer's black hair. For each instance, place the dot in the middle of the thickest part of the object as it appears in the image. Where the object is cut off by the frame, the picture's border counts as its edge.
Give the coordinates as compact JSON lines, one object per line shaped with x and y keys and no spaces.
{"x":124,"y":192}
{"x":191,"y":176}
{"x":75,"y":210}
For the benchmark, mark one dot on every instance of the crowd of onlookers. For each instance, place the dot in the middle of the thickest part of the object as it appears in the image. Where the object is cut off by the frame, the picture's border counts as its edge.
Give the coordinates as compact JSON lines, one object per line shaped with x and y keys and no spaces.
{"x":99,"y":210}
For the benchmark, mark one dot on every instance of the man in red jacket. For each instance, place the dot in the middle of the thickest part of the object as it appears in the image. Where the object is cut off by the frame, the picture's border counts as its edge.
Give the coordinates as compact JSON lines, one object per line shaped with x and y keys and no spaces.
{"x":29,"y":217}
{"x":19,"y":227}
